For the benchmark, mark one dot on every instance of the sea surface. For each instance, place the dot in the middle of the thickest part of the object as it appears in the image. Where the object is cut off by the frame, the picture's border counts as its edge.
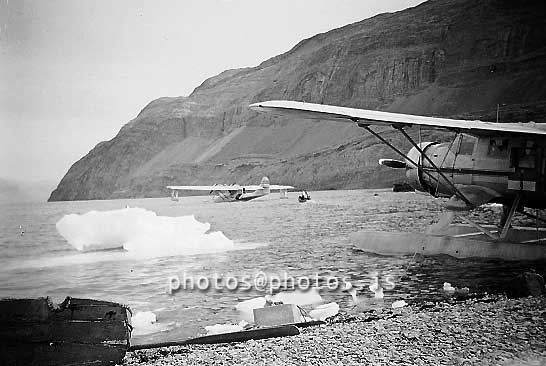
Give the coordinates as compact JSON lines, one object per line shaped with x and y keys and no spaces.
{"x":278,"y":238}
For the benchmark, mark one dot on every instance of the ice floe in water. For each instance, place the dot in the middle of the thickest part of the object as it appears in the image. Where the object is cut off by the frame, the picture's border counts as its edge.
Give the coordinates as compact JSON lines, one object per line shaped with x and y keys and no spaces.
{"x":142,"y":233}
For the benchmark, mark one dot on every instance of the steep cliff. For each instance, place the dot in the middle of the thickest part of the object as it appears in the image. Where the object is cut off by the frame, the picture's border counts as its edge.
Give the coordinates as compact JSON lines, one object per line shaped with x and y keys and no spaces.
{"x":442,"y":58}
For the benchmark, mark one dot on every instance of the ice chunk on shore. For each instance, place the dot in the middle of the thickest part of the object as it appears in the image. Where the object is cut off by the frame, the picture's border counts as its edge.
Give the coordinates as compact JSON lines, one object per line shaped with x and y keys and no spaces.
{"x":246,"y":308}
{"x":448,"y":289}
{"x":324,"y":311}
{"x":225,"y":328}
{"x":300,"y":298}
{"x":399,"y":304}
{"x":142,"y":233}
{"x":145,"y":322}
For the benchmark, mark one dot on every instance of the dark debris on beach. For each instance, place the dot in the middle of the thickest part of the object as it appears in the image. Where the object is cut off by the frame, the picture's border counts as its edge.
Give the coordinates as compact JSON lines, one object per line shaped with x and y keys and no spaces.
{"x":490,"y":331}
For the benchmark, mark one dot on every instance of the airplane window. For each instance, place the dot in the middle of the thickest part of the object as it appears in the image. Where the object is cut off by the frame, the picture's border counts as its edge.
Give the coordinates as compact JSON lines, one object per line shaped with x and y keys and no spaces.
{"x":523,"y":158}
{"x":498,"y":147}
{"x":467,"y":145}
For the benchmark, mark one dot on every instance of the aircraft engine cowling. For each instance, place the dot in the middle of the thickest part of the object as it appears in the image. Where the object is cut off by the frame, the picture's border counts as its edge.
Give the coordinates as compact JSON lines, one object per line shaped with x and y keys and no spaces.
{"x":415,"y":176}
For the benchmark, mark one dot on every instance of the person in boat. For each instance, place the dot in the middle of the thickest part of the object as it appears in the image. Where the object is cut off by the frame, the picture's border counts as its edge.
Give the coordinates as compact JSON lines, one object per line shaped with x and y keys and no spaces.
{"x":304,"y":196}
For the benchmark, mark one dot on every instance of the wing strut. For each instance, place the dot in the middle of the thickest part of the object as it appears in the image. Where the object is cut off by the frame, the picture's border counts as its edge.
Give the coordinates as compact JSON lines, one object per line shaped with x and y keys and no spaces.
{"x":490,"y":234}
{"x":379,"y":137}
{"x":456,"y":190}
{"x":508,"y":222}
{"x":445,"y":156}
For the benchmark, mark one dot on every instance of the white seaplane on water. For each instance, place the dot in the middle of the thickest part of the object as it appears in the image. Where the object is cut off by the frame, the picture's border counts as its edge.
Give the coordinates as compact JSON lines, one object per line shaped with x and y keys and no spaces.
{"x":234,"y":192}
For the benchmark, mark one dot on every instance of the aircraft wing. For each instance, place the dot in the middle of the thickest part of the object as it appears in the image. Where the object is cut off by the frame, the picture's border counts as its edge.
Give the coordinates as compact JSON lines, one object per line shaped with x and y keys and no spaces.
{"x":272,"y":187}
{"x":369,"y":117}
{"x":278,"y":188}
{"x":218,"y":187}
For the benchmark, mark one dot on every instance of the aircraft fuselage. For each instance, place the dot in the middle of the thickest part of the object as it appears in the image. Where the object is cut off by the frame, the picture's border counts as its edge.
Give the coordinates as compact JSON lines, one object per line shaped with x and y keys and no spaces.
{"x":239,"y":195}
{"x":500,"y":166}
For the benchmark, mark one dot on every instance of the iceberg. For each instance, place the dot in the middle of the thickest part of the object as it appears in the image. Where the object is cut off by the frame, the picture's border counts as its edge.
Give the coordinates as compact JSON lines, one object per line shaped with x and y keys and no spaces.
{"x":142,"y":233}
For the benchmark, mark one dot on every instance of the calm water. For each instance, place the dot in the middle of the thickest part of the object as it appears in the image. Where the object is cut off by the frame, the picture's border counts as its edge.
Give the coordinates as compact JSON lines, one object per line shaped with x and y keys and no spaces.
{"x":272,"y":235}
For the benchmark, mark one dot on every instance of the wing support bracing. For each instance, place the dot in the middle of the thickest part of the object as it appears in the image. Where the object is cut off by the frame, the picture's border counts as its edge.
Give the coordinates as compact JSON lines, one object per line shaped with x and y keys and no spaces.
{"x":490,"y":234}
{"x":508,"y":222}
{"x":405,"y":156}
{"x":455,"y":189}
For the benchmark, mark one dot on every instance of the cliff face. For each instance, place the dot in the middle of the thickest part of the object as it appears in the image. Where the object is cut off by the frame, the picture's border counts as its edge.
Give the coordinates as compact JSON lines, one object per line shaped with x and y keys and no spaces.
{"x":442,"y":58}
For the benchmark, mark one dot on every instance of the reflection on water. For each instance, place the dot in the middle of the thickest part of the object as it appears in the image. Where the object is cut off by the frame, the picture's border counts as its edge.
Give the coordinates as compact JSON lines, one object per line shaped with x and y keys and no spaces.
{"x":275,"y":237}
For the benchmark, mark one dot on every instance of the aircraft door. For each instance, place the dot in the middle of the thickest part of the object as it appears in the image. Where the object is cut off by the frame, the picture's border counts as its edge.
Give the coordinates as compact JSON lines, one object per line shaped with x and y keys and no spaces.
{"x":529,"y":168}
{"x":491,"y":162}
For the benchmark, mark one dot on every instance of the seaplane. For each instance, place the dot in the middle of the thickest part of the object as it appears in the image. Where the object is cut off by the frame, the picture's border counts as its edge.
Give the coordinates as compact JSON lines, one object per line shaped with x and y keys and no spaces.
{"x":234,"y":192}
{"x":484,"y":163}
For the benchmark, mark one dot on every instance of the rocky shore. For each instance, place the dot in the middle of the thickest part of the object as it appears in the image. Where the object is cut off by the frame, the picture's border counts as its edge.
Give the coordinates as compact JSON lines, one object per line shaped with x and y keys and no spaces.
{"x":481,"y":331}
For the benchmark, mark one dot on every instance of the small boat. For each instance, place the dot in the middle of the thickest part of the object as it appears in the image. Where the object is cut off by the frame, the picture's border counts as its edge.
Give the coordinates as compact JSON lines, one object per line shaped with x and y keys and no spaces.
{"x":304,"y":197}
{"x":75,"y":332}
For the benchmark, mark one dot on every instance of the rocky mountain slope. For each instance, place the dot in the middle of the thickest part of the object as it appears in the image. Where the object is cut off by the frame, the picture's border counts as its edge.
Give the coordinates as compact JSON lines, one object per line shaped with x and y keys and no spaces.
{"x":442,"y":58}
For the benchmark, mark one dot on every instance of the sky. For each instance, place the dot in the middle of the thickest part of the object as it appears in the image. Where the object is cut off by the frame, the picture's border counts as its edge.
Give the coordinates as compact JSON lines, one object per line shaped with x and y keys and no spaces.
{"x":73,"y":72}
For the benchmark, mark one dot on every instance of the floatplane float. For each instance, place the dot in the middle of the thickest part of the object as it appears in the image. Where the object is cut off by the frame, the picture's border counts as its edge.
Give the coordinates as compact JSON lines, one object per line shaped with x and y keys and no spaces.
{"x":234,"y":192}
{"x":484,"y":162}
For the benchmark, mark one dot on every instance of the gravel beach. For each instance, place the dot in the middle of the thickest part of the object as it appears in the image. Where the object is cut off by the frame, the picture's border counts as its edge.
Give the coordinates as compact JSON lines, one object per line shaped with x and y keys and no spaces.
{"x":486,"y":331}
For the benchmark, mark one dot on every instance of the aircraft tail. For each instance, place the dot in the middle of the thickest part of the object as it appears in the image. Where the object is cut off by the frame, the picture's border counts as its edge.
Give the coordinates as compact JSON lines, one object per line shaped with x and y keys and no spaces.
{"x":265,"y":185}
